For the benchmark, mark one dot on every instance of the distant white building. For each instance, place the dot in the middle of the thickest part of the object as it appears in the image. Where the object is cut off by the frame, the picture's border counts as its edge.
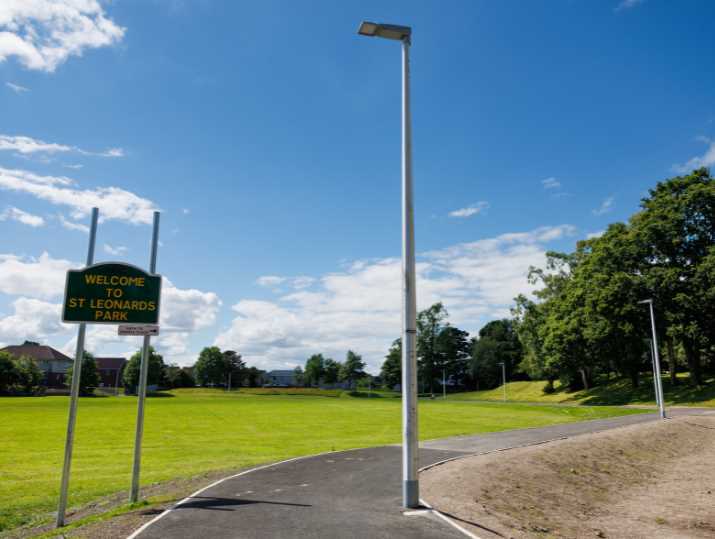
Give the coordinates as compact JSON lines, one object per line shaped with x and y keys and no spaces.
{"x":281,"y":378}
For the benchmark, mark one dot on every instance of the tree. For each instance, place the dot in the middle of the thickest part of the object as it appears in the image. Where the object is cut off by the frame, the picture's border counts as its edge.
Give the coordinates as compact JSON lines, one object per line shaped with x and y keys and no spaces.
{"x":430,"y":324}
{"x":210,"y":368}
{"x":254,"y":376}
{"x":676,"y":227}
{"x":314,"y":370}
{"x":453,"y":354}
{"x":391,"y":371}
{"x":353,"y":369}
{"x":8,"y":374}
{"x":156,"y":370}
{"x":331,"y":371}
{"x":28,"y":374}
{"x":497,"y":343}
{"x":179,"y":376}
{"x":88,"y":378}
{"x":235,"y":368}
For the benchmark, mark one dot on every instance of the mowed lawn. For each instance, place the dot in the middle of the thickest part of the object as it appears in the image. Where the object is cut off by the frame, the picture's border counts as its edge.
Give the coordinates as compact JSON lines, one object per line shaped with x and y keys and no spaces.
{"x":195,"y":431}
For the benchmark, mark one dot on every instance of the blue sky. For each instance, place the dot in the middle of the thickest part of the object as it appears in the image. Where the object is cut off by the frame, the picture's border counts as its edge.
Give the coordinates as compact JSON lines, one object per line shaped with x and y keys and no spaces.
{"x":268,"y":134}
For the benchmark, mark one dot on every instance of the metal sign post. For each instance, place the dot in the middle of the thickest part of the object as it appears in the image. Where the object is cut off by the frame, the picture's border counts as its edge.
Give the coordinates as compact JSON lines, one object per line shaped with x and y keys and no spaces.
{"x":141,"y":391}
{"x":74,"y":393}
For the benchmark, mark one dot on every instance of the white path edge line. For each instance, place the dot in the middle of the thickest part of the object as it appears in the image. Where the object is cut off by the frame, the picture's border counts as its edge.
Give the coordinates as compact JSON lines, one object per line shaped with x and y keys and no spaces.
{"x":161,"y":515}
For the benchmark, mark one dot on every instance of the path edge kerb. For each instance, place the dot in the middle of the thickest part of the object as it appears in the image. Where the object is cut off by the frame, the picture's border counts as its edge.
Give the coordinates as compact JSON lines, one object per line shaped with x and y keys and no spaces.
{"x":161,"y":515}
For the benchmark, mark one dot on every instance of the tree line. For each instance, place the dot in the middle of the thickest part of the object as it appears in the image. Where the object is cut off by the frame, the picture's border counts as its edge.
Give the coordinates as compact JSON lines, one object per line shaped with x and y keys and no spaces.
{"x":586,"y":320}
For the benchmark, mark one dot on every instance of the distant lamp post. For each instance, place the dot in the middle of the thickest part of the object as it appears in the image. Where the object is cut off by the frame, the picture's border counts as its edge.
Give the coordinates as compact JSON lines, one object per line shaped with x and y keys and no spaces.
{"x":503,"y":377}
{"x":656,"y":361}
{"x":410,"y":483}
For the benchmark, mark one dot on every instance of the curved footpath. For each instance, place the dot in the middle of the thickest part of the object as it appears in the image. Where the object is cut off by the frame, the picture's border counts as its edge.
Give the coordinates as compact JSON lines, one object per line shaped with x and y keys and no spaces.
{"x":346,"y":494}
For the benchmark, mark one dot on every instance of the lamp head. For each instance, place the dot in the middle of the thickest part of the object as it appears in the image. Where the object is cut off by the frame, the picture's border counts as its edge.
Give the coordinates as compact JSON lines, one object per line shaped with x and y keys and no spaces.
{"x":387,"y":31}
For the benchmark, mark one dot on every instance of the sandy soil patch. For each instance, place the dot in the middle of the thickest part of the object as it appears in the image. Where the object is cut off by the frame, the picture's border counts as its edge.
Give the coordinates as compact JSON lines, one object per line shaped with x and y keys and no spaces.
{"x":654,"y":480}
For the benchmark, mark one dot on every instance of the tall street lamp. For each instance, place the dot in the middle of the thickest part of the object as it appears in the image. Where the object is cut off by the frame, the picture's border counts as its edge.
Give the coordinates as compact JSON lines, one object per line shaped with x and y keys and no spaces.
{"x":656,"y":360}
{"x":410,"y":483}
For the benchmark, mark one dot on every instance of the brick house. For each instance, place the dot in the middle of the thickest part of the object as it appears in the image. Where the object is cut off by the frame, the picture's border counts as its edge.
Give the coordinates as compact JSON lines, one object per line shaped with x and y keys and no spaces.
{"x":52,"y":363}
{"x":110,"y":371}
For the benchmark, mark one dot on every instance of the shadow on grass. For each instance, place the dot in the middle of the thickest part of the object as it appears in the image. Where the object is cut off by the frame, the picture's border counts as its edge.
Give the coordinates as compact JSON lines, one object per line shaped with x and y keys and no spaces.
{"x":620,"y":392}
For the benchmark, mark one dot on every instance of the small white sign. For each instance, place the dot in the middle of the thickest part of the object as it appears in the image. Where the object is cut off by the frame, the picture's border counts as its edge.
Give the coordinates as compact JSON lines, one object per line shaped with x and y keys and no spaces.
{"x":139,"y":329}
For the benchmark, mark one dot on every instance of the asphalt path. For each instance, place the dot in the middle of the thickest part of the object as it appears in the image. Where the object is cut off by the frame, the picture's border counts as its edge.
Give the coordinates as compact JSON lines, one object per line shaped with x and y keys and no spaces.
{"x":346,"y":494}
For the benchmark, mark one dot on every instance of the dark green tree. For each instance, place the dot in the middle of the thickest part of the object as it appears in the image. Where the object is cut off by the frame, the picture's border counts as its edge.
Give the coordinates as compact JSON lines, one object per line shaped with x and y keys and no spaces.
{"x":28,"y":374}
{"x":254,"y":376}
{"x":8,"y":374}
{"x":331,"y":371}
{"x":235,"y":368}
{"x":210,"y":368}
{"x":314,"y":370}
{"x":497,"y":343}
{"x":430,"y":324}
{"x":453,"y":353}
{"x":352,"y":369}
{"x":391,"y":371}
{"x":177,"y":376}
{"x":89,"y":376}
{"x":156,"y":370}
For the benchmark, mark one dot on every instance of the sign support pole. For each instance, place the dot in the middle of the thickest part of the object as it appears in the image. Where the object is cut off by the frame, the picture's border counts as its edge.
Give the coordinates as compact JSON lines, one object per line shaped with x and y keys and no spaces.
{"x":74,"y":392}
{"x":143,"y":373}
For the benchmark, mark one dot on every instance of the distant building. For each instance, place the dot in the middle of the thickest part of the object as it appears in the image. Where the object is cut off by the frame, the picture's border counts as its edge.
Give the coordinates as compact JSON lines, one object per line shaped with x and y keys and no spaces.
{"x":52,"y":363}
{"x":281,"y":378}
{"x":110,"y":371}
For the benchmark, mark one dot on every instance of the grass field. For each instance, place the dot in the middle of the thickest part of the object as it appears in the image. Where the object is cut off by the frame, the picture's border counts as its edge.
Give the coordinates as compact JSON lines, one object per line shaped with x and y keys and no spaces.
{"x":616,"y":393}
{"x":194,"y":431}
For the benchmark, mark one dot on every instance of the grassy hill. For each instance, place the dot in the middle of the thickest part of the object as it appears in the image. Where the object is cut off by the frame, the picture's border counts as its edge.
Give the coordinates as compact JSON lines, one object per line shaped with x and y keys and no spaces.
{"x":614,"y":392}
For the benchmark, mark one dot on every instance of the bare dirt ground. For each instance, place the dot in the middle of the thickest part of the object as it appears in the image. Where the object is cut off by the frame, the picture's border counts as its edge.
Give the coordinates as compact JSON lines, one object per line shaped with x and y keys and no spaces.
{"x":654,"y":480}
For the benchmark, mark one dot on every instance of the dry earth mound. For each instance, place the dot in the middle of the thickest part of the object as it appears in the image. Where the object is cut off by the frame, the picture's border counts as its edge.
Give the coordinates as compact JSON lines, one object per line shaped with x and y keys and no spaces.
{"x":655,"y":480}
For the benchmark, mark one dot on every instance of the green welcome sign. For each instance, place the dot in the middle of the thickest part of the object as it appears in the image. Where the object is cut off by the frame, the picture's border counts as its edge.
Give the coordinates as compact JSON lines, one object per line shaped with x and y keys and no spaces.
{"x":112,"y":293}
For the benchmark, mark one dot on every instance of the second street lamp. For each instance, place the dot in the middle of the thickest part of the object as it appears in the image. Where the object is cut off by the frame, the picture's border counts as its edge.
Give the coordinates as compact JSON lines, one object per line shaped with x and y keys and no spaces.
{"x":656,"y":361}
{"x":410,"y":483}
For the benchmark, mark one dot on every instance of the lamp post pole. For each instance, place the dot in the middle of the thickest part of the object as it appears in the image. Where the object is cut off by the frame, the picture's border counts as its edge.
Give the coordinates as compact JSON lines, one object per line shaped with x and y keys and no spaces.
{"x":503,"y":378}
{"x":656,"y":361}
{"x":410,"y":483}
{"x":410,"y":491}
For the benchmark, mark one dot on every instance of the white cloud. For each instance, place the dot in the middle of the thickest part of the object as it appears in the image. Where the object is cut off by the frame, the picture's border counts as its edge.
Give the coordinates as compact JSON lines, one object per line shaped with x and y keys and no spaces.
{"x":596,"y":234}
{"x":70,"y":225}
{"x":270,"y":280}
{"x":186,"y":211}
{"x":113,"y":202}
{"x":73,"y":166}
{"x":470,"y":210}
{"x":114,"y":251}
{"x":42,"y":277}
{"x":16,"y":214}
{"x":32,"y":319}
{"x":551,"y":183}
{"x":705,"y":160}
{"x":605,"y":207}
{"x":28,"y":146}
{"x":187,"y":309}
{"x":16,"y":88}
{"x":359,"y":308}
{"x":42,"y":34}
{"x":628,"y":4}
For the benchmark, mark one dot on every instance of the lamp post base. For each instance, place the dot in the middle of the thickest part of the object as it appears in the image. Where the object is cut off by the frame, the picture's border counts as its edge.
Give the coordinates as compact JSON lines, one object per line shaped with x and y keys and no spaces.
{"x":411,"y":494}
